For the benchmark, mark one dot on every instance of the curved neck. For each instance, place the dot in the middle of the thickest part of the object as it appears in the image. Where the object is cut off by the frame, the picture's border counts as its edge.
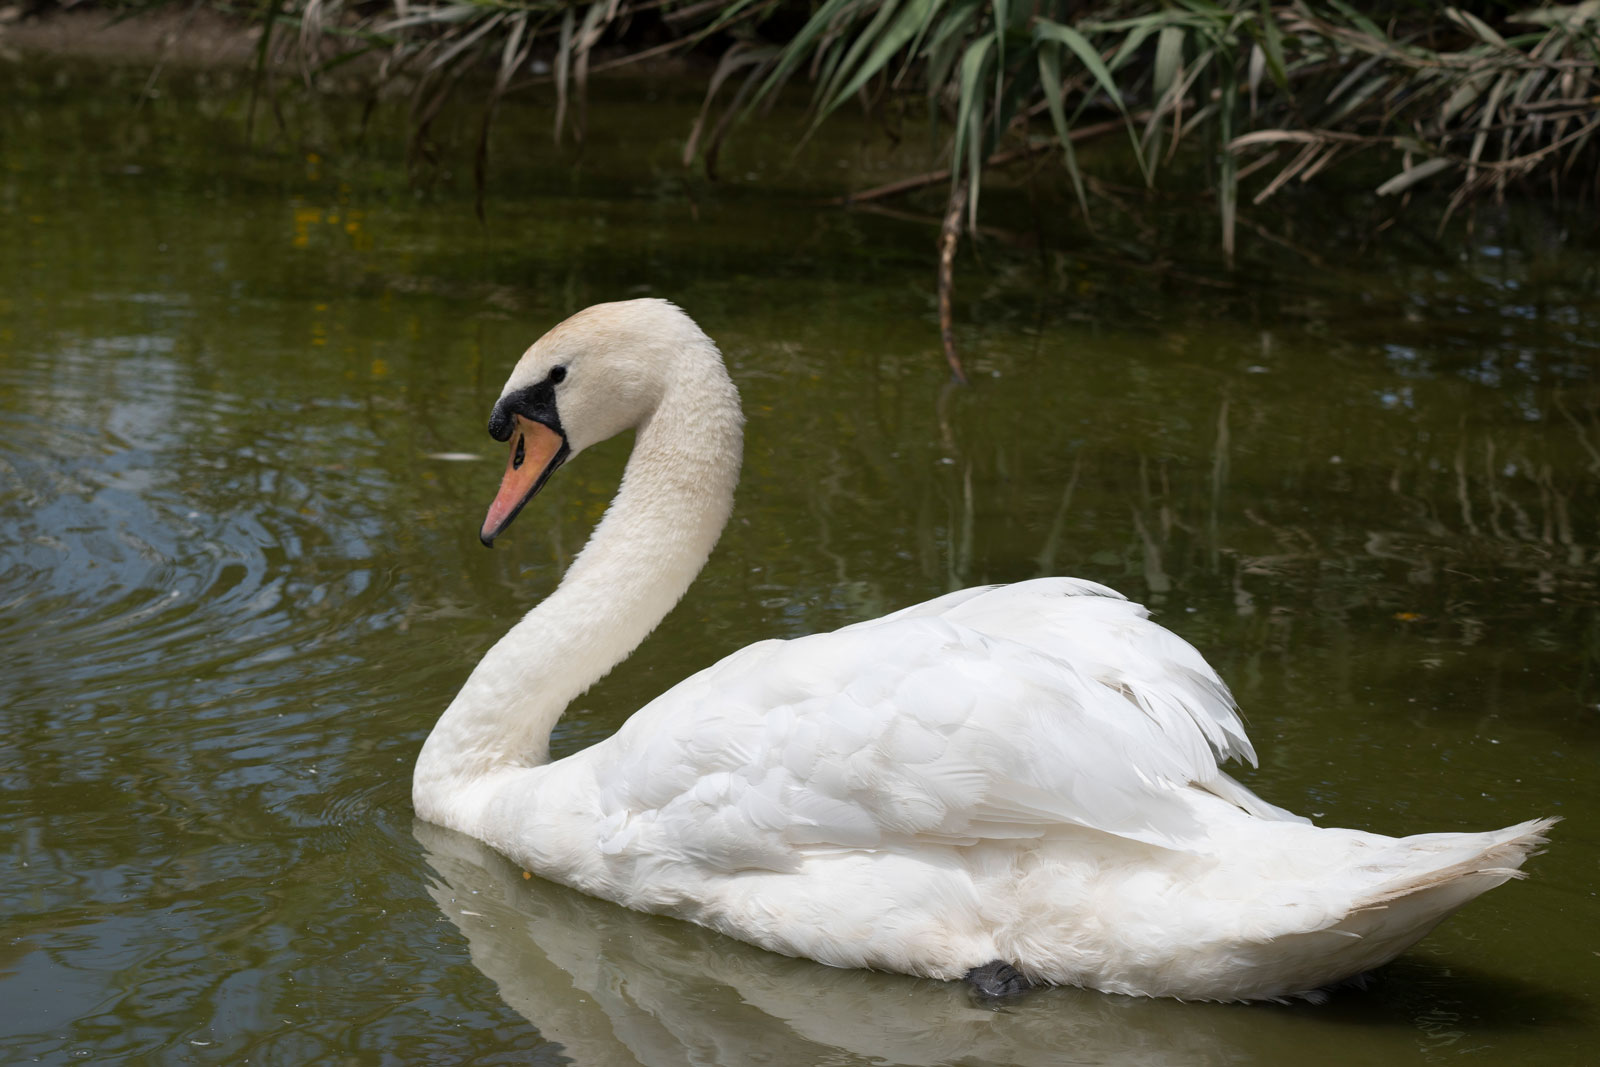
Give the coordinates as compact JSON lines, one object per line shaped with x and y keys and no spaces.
{"x":675,"y":498}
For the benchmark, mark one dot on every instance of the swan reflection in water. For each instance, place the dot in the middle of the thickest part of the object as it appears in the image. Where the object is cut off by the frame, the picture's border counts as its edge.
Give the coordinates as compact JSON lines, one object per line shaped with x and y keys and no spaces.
{"x":617,"y":987}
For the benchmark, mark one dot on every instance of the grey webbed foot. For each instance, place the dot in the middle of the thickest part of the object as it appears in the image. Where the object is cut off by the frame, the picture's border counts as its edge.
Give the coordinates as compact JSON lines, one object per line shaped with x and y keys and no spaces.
{"x":996,"y":979}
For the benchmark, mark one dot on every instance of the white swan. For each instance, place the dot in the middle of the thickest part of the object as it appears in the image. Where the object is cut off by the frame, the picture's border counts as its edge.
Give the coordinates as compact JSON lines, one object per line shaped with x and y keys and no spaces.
{"x":1010,"y":784}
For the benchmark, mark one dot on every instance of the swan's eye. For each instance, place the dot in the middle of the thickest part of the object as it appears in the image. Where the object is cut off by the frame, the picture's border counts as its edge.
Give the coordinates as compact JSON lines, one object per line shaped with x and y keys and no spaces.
{"x":558,"y":374}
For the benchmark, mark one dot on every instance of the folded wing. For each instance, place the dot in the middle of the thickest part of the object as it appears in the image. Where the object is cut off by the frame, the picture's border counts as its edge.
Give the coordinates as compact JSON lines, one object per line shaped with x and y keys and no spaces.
{"x":999,"y":713}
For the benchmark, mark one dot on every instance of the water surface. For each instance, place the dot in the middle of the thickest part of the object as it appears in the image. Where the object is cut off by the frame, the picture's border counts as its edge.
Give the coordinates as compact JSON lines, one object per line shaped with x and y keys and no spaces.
{"x":242,"y":466}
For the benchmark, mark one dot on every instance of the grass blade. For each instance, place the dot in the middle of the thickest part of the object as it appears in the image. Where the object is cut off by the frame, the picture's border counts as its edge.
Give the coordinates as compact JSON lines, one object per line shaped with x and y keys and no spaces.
{"x":1045,"y":30}
{"x":913,"y":18}
{"x":1050,"y":78}
{"x":969,"y":118}
{"x":1412,"y":175}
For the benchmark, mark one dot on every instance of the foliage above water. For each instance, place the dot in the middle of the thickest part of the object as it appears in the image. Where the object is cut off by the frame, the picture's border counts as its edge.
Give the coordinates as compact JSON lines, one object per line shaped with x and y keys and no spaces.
{"x":1277,"y":90}
{"x":1471,"y":99}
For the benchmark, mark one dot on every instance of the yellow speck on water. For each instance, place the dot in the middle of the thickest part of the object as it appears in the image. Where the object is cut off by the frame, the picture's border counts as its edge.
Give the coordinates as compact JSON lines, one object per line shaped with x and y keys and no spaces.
{"x":526,"y":875}
{"x":321,"y":307}
{"x":380,"y":369}
{"x":1407,"y":616}
{"x":304,"y":219}
{"x":313,"y":159}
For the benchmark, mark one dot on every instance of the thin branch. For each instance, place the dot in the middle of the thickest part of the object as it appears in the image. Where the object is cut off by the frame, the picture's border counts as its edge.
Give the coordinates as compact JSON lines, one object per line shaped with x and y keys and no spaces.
{"x":949,"y":237}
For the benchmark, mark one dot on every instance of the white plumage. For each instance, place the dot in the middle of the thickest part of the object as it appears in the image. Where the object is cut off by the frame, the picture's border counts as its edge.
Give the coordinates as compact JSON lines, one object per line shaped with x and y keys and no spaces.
{"x":1025,"y":773}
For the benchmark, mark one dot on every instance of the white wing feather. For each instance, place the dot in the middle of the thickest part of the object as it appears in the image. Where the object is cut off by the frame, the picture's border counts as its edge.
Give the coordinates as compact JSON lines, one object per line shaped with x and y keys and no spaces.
{"x":986,"y":714}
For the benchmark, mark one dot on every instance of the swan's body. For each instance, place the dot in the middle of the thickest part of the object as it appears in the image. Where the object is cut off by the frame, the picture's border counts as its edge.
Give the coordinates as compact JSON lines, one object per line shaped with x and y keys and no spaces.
{"x":1023,"y":773}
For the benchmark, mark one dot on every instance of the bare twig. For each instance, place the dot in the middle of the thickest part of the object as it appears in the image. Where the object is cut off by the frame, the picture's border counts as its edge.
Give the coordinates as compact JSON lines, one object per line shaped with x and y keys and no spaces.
{"x":949,"y":237}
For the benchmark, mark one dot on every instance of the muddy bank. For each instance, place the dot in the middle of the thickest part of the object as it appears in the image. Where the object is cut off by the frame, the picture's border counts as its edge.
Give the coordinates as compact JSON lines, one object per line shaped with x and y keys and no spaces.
{"x":202,"y":37}
{"x":197,"y":37}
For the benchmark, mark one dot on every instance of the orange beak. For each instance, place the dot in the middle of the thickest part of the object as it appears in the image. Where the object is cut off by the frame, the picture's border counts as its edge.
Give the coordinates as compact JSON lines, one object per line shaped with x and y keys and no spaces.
{"x":536,"y":451}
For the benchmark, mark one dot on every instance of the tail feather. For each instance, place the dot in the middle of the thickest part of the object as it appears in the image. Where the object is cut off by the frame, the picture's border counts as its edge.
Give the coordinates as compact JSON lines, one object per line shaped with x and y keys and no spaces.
{"x":1490,"y":859}
{"x":1395,"y":914}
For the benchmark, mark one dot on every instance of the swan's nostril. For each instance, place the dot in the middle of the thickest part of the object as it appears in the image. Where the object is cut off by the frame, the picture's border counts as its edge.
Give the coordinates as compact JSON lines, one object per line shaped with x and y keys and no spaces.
{"x":521,"y":452}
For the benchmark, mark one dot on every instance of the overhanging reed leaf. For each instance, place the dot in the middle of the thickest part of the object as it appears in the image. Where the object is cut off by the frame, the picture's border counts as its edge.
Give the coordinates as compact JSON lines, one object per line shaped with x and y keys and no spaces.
{"x":863,"y":39}
{"x":1045,"y":30}
{"x":741,"y":55}
{"x":263,"y":50}
{"x":1271,"y":38}
{"x":1169,"y":57}
{"x":1411,"y":176}
{"x":969,"y":115}
{"x":1138,"y":31}
{"x":1485,"y":117}
{"x":1476,"y":25}
{"x":945,"y":44}
{"x":563,"y":65}
{"x":799,"y":47}
{"x":916,"y":15}
{"x":1050,"y":79}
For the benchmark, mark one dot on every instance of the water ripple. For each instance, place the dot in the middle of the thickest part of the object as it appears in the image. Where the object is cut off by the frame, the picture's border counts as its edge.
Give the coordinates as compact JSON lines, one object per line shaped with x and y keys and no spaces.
{"x":166,"y":562}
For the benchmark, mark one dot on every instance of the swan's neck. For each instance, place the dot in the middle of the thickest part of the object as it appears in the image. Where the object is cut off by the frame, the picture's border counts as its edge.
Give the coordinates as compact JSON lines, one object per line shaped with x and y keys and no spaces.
{"x":675,"y":497}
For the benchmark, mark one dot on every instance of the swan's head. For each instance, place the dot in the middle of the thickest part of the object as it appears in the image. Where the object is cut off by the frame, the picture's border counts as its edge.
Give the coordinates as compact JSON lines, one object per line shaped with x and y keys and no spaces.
{"x":600,"y":372}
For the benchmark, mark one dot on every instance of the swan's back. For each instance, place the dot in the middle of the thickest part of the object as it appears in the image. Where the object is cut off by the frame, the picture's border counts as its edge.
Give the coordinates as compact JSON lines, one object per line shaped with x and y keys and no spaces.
{"x":997,"y":713}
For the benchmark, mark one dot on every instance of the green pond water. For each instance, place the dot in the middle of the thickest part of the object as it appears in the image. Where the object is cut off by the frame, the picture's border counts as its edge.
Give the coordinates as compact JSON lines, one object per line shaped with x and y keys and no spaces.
{"x":243,"y":462}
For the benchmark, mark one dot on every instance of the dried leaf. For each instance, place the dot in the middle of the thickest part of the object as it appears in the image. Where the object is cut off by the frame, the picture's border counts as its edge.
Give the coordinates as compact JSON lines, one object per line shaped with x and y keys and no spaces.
{"x":1475,"y":25}
{"x":1169,"y":57}
{"x":1412,"y":175}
